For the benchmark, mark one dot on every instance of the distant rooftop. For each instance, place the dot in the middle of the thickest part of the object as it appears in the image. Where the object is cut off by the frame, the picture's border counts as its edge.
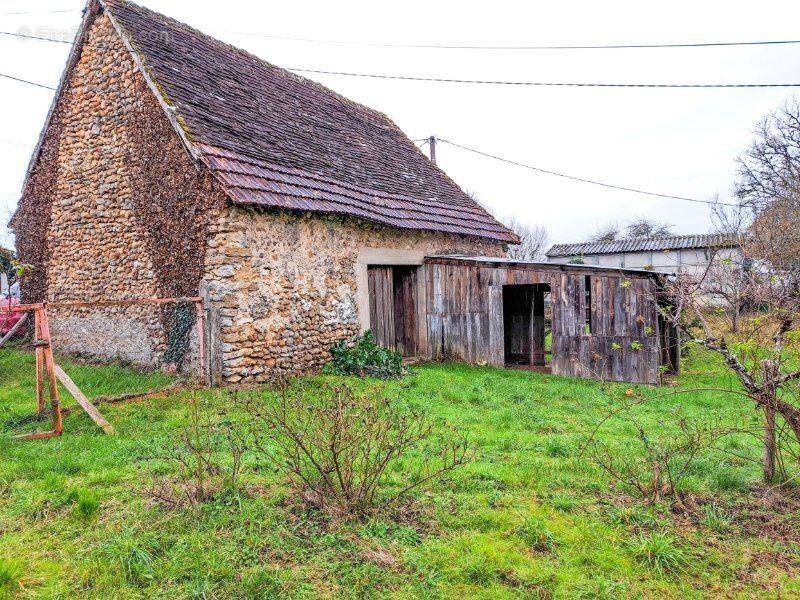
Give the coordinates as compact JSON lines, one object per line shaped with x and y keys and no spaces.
{"x":659,"y":244}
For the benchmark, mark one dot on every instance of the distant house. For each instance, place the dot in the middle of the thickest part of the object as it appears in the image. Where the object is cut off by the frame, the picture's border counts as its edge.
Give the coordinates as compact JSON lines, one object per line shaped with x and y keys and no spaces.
{"x":671,"y":254}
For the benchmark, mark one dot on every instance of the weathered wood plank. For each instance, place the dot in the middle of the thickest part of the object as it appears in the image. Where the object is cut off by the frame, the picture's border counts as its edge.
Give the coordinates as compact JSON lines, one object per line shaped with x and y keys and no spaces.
{"x":81,"y":399}
{"x":496,"y":340}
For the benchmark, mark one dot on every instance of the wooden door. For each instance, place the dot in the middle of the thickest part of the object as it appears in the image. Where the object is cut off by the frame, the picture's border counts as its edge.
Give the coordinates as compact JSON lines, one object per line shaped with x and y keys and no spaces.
{"x":405,"y":310}
{"x":381,"y":305}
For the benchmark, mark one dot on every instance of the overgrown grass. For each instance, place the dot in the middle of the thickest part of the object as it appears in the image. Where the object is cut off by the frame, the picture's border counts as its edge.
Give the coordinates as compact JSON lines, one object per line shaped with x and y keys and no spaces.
{"x":531,"y":517}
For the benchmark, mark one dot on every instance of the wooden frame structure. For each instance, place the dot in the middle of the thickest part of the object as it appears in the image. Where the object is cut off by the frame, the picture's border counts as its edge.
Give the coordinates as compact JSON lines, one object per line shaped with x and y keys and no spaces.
{"x":48,"y":373}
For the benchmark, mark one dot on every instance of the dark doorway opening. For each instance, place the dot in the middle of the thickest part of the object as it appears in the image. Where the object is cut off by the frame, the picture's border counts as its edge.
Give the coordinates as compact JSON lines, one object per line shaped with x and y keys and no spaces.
{"x":393,"y":307}
{"x":524,"y":324}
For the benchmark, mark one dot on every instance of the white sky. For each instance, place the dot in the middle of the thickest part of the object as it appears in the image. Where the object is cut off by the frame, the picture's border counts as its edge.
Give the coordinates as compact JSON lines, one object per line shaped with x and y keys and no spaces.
{"x":680,"y":142}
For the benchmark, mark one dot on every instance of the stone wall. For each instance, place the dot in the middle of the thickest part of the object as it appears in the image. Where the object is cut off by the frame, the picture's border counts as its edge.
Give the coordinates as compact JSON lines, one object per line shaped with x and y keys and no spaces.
{"x":286,"y":285}
{"x":125,"y":211}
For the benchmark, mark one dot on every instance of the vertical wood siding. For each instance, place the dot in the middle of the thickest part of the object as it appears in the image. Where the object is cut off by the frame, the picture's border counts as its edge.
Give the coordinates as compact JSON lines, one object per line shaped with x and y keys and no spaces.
{"x":464,"y":318}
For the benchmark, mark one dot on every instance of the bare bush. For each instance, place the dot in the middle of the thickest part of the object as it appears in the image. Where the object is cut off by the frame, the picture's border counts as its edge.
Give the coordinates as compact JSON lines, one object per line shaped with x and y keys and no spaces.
{"x":340,"y":448}
{"x":654,"y":474}
{"x":208,"y":451}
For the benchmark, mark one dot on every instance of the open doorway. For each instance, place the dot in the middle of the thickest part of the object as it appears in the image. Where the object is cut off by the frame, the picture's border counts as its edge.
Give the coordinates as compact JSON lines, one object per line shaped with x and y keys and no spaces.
{"x":524,"y":324}
{"x":393,"y":307}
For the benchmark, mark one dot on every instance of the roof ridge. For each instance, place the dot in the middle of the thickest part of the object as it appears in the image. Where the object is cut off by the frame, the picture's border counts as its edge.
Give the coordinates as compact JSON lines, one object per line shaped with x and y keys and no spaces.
{"x":643,"y":243}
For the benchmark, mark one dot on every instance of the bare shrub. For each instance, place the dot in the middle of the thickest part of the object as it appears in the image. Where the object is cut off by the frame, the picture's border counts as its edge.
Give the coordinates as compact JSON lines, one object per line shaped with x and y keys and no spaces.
{"x":208,"y":451}
{"x":342,"y":449}
{"x":654,"y":473}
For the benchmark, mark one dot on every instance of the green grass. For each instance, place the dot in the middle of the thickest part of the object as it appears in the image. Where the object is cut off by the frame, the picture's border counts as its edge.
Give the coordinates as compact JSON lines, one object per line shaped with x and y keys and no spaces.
{"x":530,"y":517}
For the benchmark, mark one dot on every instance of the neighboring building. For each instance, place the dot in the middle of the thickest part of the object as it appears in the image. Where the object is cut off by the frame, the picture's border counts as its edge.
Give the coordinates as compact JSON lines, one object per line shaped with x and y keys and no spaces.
{"x":172,"y":164}
{"x":672,"y":254}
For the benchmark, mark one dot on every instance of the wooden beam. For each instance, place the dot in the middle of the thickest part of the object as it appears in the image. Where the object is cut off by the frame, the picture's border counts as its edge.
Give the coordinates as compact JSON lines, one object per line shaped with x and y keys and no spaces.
{"x":14,"y":329}
{"x":49,"y":365}
{"x":38,"y":435}
{"x":90,"y":408}
{"x":37,"y":334}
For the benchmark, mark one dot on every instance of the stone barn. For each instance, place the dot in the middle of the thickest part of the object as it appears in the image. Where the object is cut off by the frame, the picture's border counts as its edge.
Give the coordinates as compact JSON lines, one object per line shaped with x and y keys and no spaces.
{"x":172,"y":164}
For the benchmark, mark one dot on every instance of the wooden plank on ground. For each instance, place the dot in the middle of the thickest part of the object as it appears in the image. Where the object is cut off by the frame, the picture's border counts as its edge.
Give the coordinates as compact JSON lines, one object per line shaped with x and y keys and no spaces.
{"x":81,"y":399}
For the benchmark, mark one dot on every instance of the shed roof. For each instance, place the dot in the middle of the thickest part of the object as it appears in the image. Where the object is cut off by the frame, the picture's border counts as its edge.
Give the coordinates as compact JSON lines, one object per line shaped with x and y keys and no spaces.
{"x":500,"y":261}
{"x":279,"y":140}
{"x":672,"y":242}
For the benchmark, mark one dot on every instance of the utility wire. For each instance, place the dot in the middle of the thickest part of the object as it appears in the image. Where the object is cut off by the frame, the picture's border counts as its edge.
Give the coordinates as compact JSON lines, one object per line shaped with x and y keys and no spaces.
{"x":581,"y":179}
{"x":494,"y":82}
{"x":547,"y":83}
{"x":41,"y":85}
{"x":29,"y":36}
{"x":471,"y":46}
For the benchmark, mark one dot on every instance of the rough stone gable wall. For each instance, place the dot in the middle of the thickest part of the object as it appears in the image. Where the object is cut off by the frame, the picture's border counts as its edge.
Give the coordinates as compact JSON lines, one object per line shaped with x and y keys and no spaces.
{"x":286,"y":285}
{"x":116,"y":208}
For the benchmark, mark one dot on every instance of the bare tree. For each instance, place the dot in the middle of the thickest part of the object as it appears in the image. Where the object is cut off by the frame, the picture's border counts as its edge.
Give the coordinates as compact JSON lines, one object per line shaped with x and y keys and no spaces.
{"x":635,"y":228}
{"x":745,"y":307}
{"x":607,"y":233}
{"x":770,"y":168}
{"x":533,"y":242}
{"x":649,"y":228}
{"x":533,"y":238}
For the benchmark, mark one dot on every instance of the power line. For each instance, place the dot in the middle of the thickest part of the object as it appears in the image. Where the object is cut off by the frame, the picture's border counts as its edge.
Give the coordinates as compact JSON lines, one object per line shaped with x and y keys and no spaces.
{"x":15,"y":143}
{"x":547,"y":83}
{"x":41,"y":85}
{"x":29,"y":36}
{"x":471,"y":46}
{"x":580,"y":179}
{"x":495,"y":82}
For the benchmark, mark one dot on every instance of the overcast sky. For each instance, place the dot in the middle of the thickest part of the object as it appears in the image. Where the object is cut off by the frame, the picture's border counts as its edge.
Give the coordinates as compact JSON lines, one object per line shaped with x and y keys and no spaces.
{"x":680,"y":142}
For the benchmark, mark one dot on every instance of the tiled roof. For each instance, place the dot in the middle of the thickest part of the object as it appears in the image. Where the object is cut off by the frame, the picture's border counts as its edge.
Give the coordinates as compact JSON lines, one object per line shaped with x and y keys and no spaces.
{"x":276,"y":139}
{"x":673,"y":242}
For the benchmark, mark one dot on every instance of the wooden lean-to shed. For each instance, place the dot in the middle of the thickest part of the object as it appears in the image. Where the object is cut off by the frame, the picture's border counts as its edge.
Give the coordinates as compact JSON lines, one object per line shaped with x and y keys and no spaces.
{"x":601,"y":323}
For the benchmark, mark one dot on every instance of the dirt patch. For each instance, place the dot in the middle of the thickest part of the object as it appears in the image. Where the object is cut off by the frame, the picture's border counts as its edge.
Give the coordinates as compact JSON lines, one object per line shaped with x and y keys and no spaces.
{"x":767,"y":513}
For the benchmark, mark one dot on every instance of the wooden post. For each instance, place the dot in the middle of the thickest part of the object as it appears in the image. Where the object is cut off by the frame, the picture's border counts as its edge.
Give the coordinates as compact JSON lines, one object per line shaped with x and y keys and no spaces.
{"x":51,"y":374}
{"x":201,"y":340}
{"x":212,"y":341}
{"x":37,"y":337}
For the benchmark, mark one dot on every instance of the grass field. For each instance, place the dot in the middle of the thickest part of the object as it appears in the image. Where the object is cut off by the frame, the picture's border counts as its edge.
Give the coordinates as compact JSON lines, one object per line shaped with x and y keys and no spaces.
{"x":530,"y":517}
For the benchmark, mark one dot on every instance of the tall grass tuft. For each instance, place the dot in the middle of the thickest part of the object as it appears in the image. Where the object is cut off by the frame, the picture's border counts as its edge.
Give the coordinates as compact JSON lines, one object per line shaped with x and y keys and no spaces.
{"x":10,"y":574}
{"x":659,"y":551}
